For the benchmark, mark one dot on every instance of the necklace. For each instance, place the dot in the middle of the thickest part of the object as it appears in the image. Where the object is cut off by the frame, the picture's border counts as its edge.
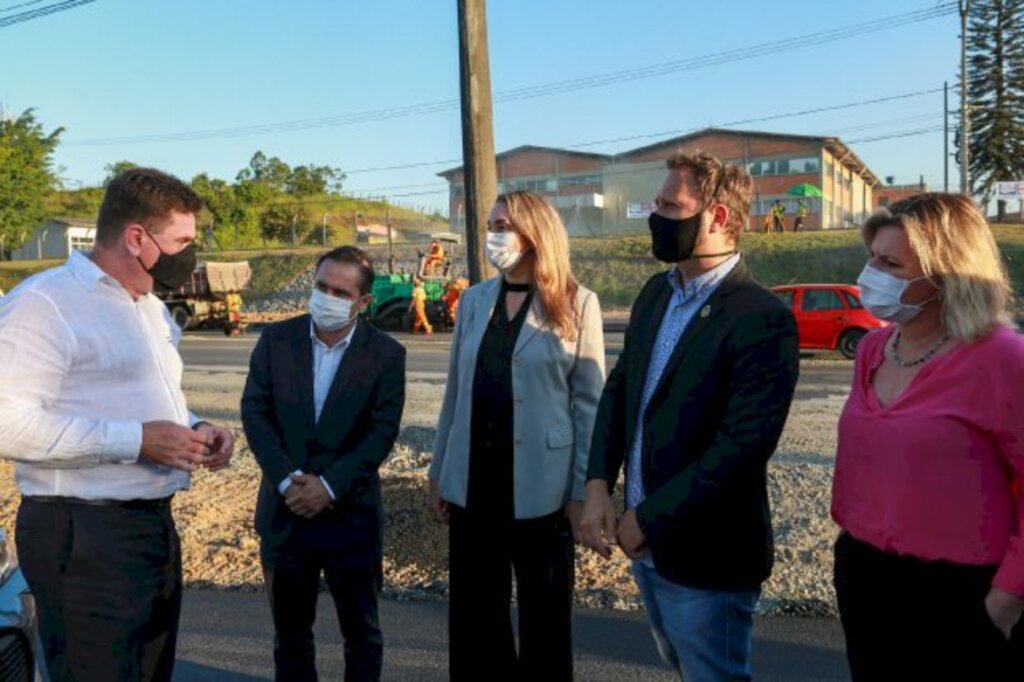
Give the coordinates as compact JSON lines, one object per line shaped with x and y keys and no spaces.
{"x":924,"y":358}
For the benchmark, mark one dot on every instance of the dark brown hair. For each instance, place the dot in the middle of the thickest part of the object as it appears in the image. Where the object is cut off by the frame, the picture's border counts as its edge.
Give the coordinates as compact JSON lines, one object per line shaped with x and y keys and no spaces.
{"x":720,"y":183}
{"x":145,"y":196}
{"x":352,"y":256}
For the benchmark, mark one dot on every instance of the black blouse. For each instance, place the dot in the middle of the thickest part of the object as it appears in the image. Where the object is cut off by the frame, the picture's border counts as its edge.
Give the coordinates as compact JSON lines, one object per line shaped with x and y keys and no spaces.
{"x":491,"y":439}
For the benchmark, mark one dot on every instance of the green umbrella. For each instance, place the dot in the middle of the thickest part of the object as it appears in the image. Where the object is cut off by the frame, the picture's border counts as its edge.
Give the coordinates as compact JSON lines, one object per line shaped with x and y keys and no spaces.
{"x":804,"y":189}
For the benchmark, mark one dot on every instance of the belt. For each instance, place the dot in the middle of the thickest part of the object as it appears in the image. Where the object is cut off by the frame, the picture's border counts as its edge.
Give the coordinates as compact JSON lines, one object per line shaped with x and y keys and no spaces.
{"x":159,"y":503}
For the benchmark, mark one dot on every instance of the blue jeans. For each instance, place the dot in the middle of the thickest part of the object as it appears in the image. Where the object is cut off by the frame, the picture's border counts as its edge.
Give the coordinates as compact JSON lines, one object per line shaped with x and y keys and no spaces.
{"x":704,"y":634}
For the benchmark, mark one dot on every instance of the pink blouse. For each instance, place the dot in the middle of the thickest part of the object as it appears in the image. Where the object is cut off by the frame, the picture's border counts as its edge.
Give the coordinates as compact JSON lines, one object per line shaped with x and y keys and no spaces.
{"x":936,"y":474}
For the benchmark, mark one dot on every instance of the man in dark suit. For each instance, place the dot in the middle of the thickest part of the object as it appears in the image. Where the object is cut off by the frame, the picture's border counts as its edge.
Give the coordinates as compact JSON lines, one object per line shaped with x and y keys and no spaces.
{"x":321,"y":410}
{"x":693,"y":410}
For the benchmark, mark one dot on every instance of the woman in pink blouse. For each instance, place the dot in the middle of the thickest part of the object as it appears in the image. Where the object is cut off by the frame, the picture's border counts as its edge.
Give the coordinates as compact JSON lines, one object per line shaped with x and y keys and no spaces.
{"x":929,"y":570}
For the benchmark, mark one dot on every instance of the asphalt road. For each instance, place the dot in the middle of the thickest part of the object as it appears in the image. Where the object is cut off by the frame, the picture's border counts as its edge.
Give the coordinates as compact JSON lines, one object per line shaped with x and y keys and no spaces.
{"x":212,"y":351}
{"x":228,"y":637}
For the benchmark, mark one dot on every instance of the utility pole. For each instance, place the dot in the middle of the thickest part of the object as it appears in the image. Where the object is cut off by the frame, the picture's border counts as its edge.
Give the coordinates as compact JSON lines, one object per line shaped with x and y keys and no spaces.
{"x":965,"y":117}
{"x":323,"y":230}
{"x":945,"y":138}
{"x":391,"y":246}
{"x":477,"y":130}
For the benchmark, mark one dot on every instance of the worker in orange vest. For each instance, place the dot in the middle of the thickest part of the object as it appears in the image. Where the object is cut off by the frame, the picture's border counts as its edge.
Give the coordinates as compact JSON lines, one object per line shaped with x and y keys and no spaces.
{"x":434,"y":258}
{"x":419,"y":305}
{"x":451,"y":298}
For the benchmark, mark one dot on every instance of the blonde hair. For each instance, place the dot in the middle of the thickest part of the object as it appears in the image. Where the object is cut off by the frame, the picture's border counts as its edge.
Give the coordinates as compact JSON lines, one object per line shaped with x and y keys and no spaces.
{"x":539,"y":225}
{"x":720,"y":183}
{"x":957,"y":250}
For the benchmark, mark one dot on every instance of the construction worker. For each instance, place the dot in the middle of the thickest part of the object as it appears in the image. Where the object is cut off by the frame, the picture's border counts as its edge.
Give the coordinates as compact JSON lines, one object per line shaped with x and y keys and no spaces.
{"x":419,"y":305}
{"x":778,"y":213}
{"x":801,"y":213}
{"x":233,"y":302}
{"x":451,"y":297}
{"x":434,"y":258}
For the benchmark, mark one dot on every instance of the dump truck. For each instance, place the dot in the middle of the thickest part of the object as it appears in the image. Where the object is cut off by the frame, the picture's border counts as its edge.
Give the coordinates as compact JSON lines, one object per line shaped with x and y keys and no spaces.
{"x":200,"y":301}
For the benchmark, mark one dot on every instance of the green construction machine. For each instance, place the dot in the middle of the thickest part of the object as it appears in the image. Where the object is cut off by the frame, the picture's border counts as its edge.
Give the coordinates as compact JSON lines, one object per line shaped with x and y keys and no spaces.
{"x":392,"y":293}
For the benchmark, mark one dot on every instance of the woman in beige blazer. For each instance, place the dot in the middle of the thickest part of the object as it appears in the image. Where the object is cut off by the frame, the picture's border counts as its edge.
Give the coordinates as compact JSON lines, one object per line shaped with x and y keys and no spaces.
{"x":510,"y":459}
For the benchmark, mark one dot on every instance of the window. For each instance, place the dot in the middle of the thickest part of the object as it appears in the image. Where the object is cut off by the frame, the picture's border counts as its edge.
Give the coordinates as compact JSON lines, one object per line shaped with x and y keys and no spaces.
{"x":820,"y":299}
{"x":803,"y":164}
{"x":575,"y":180}
{"x":531,"y":185}
{"x":81,"y":243}
{"x":852,"y":300}
{"x":786,"y":296}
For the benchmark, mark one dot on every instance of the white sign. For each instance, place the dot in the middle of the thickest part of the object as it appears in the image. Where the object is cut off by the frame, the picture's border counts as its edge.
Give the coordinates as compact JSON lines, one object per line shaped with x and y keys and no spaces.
{"x":639,"y":209}
{"x":1009,"y":189}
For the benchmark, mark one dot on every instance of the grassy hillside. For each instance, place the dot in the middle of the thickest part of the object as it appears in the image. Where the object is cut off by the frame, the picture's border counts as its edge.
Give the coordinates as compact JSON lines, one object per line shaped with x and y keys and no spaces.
{"x":12,"y":272}
{"x":616,"y":268}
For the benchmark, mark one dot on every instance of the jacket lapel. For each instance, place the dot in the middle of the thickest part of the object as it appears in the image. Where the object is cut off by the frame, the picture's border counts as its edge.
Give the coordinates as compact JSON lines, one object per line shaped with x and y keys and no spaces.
{"x":704,"y":316}
{"x":478,"y":318}
{"x":534,"y":322}
{"x":302,"y":345}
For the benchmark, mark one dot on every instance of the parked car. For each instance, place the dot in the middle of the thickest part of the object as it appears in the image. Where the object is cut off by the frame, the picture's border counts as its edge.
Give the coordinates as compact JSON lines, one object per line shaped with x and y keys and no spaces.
{"x":21,"y":651}
{"x":829,"y":316}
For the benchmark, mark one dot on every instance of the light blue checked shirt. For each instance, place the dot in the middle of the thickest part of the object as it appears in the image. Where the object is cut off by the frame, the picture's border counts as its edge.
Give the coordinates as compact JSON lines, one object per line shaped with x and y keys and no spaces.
{"x":687,"y":300}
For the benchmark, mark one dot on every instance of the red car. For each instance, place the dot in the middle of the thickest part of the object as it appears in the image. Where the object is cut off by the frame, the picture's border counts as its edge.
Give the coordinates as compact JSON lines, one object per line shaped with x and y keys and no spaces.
{"x":829,"y":316}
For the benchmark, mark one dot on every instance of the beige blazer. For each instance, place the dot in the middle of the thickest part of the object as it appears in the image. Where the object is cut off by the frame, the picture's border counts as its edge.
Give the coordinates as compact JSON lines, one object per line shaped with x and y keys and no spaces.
{"x":556,"y":386}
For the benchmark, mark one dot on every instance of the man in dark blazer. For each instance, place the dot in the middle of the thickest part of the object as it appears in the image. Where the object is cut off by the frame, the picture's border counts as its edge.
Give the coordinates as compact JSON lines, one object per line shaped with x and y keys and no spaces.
{"x":692,"y":411}
{"x":321,"y":410}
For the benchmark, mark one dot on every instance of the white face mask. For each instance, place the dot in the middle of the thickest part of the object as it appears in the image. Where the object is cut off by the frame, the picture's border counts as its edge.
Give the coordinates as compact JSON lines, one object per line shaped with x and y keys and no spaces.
{"x":503,"y":250}
{"x":329,"y":313}
{"x":882,"y":295}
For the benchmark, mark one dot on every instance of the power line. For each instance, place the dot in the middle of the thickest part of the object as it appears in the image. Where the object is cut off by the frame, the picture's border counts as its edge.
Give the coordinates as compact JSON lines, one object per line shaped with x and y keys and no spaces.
{"x":547,"y":89}
{"x":24,"y":4}
{"x":893,"y":136}
{"x":679,"y":131}
{"x":42,"y":12}
{"x":443,"y":188}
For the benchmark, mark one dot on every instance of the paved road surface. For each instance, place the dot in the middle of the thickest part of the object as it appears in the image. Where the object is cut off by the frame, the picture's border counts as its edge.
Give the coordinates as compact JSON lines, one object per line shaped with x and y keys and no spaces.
{"x":429,"y":355}
{"x":227,"y":637}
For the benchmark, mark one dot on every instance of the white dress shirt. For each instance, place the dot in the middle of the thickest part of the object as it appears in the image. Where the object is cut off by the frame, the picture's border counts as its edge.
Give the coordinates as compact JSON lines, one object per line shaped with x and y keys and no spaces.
{"x":82,"y":366}
{"x":326,"y":360}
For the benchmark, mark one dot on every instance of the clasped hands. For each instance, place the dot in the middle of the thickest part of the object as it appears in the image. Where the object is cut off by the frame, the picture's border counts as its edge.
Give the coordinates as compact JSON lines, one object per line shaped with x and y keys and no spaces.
{"x":306,"y":496}
{"x":601,"y":530}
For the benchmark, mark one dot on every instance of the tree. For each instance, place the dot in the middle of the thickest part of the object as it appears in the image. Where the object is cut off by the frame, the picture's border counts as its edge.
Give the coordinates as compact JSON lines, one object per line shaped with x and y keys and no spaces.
{"x":27,"y":177}
{"x":116,"y":168}
{"x":307,"y":181}
{"x":270,"y":172}
{"x":996,"y":94}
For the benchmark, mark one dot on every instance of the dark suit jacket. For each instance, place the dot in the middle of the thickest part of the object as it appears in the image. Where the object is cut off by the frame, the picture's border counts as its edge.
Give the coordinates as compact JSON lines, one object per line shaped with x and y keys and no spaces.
{"x":357,"y":428}
{"x":711,"y":425}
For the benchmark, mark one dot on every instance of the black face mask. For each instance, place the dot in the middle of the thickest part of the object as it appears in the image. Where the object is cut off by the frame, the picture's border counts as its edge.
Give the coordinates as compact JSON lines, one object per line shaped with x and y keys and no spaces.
{"x":172,"y":270}
{"x":673,"y":240}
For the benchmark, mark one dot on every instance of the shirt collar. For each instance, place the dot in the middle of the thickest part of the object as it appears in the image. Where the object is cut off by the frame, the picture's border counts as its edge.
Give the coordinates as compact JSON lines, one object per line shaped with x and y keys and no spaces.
{"x":87,"y":272}
{"x":341,"y":344}
{"x":703,"y":283}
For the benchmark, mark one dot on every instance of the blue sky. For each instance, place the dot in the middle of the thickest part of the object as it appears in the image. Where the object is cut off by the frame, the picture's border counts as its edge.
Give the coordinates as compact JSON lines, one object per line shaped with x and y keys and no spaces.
{"x":129,"y":69}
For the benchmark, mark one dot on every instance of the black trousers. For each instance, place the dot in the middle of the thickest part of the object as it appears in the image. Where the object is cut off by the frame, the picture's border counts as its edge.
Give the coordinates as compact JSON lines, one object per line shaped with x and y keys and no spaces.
{"x":907,"y":619}
{"x":482,"y":558}
{"x":107,"y":585}
{"x":292,"y":573}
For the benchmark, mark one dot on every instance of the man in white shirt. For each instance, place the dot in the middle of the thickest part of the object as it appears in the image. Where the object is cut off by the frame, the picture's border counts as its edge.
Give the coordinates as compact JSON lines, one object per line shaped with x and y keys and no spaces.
{"x":321,"y":409}
{"x":93,"y":414}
